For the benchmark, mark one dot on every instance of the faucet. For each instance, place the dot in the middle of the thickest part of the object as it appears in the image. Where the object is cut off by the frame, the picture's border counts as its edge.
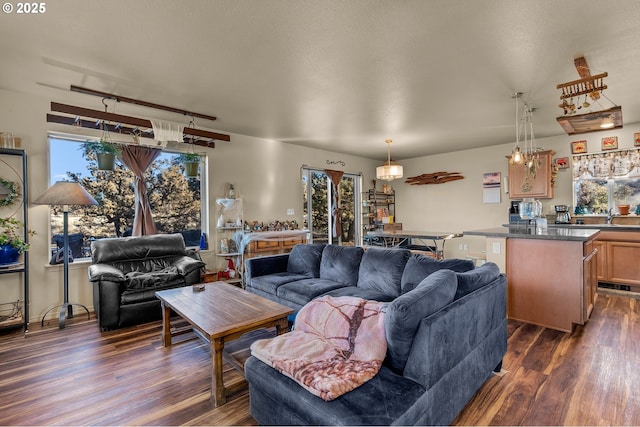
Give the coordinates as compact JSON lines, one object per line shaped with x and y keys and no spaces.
{"x":610,"y":216}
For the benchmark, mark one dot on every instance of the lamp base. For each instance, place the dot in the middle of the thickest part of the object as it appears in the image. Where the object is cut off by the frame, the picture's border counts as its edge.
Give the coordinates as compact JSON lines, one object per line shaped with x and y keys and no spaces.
{"x":66,"y":310}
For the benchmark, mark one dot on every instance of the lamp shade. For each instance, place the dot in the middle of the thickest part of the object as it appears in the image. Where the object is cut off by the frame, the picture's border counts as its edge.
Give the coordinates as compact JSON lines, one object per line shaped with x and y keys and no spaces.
{"x":65,"y":193}
{"x":389,"y":171}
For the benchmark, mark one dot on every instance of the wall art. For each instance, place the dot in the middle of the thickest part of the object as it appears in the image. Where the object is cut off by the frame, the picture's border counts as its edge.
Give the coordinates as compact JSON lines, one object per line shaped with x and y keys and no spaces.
{"x":578,"y":147}
{"x":610,"y":143}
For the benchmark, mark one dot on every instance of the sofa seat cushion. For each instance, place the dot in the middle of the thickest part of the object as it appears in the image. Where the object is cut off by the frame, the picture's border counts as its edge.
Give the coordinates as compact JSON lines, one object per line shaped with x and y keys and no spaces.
{"x":381,"y":270}
{"x":379,"y":401}
{"x":304,"y":259}
{"x":419,"y":266}
{"x":271,"y":282}
{"x":352,"y":291}
{"x":471,"y":280}
{"x":139,"y":280}
{"x":404,"y":314}
{"x":303,"y":291}
{"x":341,"y":264}
{"x":145,"y":295}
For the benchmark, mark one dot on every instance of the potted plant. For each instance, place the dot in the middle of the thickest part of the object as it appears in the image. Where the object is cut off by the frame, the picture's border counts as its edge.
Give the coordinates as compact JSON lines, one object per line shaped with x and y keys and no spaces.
{"x":191,"y":162}
{"x":12,"y":243}
{"x":105,"y":152}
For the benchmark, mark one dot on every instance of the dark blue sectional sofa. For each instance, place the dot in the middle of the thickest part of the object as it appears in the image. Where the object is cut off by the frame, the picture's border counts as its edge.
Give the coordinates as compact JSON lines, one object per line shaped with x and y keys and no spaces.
{"x":445,"y":323}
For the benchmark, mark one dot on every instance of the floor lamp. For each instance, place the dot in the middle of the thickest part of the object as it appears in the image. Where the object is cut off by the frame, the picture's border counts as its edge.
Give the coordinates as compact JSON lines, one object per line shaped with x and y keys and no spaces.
{"x":65,"y":193}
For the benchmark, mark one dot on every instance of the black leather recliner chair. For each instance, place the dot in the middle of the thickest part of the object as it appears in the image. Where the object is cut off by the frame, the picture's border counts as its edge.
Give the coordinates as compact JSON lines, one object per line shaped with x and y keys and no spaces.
{"x":126,"y":273}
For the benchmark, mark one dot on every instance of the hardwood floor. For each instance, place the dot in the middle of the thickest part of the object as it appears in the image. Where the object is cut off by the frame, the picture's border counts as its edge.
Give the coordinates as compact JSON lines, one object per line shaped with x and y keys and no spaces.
{"x":80,"y":376}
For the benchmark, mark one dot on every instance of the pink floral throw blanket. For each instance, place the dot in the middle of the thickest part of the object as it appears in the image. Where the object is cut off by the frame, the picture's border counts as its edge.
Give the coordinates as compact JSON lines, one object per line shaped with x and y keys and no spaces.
{"x":337,"y":345}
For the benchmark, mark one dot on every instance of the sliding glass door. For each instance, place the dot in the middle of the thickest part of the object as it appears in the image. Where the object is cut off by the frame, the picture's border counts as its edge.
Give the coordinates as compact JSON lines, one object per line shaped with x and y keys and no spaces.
{"x":332,"y":216}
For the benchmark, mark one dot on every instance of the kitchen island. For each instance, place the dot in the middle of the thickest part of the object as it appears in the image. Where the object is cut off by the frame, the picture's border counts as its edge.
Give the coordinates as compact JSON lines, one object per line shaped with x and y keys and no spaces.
{"x":551,"y":272}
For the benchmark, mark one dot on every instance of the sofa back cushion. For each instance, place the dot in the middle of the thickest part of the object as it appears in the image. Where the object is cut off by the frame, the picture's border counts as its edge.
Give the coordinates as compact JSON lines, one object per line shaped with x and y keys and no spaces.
{"x":381,"y":270}
{"x":341,"y":264}
{"x":404,"y":314}
{"x":471,"y":280}
{"x":126,"y":249}
{"x":305,"y":259}
{"x":420,"y":266}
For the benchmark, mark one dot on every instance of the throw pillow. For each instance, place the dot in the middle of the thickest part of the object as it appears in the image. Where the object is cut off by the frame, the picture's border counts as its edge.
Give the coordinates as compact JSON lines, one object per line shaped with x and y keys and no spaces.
{"x":420,"y":266}
{"x":403,"y":315}
{"x":477,"y":278}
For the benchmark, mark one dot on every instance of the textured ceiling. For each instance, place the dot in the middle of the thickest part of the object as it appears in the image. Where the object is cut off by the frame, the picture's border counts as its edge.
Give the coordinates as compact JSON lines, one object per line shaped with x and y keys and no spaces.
{"x":435,"y":76}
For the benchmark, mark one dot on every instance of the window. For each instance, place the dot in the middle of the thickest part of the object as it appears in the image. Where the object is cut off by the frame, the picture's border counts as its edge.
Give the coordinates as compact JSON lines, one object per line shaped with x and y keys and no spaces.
{"x":318,"y":199}
{"x":174,"y":199}
{"x":605,"y":180}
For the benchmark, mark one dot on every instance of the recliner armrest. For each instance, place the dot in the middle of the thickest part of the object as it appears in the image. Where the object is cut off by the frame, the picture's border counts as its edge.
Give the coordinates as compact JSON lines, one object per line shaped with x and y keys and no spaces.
{"x":105,"y":272}
{"x":186,"y":264}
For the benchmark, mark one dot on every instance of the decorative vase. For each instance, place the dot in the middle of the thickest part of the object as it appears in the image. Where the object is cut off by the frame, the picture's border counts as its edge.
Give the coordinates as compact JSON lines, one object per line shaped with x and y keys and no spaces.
{"x":106,"y":161}
{"x":8,"y":254}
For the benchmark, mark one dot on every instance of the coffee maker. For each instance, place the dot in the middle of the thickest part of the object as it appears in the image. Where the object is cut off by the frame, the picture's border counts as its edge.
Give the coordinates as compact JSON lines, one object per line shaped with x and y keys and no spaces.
{"x":562,"y":214}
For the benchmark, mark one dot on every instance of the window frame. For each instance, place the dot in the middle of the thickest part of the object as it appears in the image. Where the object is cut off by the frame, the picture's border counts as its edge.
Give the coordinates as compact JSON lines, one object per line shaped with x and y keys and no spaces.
{"x":172,"y":150}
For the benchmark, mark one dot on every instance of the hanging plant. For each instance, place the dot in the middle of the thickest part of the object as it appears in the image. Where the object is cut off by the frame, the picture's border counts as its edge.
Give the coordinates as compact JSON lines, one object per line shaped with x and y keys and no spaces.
{"x":105,"y":153}
{"x":12,"y":192}
{"x":191,"y":162}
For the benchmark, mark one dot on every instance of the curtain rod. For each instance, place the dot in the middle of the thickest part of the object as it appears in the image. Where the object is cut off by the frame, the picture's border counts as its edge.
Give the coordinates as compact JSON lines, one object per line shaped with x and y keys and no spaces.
{"x":119,"y":118}
{"x":119,"y":98}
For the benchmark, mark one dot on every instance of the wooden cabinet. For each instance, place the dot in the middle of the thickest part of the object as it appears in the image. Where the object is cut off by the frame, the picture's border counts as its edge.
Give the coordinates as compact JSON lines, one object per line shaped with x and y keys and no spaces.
{"x":540,"y":186}
{"x":551,"y":283}
{"x":273,"y":242}
{"x":618,"y":257}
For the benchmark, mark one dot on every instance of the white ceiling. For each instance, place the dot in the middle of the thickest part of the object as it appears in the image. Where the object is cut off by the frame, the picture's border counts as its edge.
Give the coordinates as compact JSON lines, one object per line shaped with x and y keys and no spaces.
{"x":342,"y":75}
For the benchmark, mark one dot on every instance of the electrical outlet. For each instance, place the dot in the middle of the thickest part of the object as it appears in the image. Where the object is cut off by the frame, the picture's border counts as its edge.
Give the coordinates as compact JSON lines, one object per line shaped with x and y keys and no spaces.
{"x":496,"y":247}
{"x":465,"y":247}
{"x":291,"y":211}
{"x":460,"y":246}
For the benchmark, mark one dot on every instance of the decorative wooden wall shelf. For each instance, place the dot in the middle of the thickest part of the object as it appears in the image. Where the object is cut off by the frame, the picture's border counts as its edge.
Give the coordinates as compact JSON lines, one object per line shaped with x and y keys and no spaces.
{"x":434,"y":178}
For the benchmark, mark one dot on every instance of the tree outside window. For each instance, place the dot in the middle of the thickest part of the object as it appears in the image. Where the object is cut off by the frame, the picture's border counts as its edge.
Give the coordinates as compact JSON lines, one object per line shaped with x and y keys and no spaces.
{"x":174,"y":199}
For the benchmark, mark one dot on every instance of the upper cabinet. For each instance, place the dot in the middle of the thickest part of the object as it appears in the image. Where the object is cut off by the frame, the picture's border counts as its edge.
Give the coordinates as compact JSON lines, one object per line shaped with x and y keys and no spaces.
{"x":538,"y":185}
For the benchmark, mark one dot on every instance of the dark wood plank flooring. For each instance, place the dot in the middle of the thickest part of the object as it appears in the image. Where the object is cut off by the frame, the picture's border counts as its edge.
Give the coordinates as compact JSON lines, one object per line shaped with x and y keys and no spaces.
{"x":80,"y":376}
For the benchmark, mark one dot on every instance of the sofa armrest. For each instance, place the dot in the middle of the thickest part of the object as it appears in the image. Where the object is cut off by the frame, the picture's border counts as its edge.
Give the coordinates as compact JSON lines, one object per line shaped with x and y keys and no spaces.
{"x":261,"y":266}
{"x":186,"y":264}
{"x":105,"y":272}
{"x":450,"y":335}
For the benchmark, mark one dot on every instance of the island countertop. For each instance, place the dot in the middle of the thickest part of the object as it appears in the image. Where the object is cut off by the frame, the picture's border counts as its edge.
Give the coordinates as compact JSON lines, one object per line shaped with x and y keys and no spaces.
{"x":550,"y":233}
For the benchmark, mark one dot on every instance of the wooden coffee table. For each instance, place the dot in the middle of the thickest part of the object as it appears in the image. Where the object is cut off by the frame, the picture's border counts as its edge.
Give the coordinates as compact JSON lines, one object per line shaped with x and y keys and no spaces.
{"x":221,"y":313}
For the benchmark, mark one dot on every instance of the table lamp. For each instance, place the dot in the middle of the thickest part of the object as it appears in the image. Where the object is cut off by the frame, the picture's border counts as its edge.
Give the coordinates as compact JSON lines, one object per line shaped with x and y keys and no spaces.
{"x":65,"y":193}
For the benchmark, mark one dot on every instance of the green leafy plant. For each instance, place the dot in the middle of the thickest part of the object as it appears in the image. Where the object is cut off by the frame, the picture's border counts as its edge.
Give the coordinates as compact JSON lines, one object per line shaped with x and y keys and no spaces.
{"x":99,"y":147}
{"x":9,"y":234}
{"x":188,"y":157}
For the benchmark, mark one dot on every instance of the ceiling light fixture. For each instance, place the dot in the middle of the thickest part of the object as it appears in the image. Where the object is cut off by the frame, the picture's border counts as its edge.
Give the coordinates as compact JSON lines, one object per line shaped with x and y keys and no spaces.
{"x":390,"y":170}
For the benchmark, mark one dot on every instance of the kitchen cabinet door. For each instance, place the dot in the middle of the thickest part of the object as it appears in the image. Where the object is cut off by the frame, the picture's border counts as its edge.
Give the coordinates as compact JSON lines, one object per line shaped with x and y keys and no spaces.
{"x":601,"y":260}
{"x":540,"y":186}
{"x":623,"y":266}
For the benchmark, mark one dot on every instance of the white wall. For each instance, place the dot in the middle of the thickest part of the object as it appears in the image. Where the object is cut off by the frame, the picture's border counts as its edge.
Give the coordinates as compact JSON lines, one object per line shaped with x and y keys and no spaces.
{"x":266,"y":174}
{"x":457,"y":206}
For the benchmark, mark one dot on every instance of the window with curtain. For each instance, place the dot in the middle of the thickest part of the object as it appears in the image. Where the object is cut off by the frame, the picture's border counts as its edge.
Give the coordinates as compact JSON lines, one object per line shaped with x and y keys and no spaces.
{"x":175,"y":200}
{"x":602,"y":181}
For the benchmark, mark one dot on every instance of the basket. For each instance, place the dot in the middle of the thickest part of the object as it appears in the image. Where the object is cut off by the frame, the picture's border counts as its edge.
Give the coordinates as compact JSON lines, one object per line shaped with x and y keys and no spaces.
{"x":11,"y":313}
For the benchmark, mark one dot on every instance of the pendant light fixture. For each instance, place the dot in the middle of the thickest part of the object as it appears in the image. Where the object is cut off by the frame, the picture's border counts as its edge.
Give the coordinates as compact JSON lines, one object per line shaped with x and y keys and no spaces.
{"x":390,"y":170}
